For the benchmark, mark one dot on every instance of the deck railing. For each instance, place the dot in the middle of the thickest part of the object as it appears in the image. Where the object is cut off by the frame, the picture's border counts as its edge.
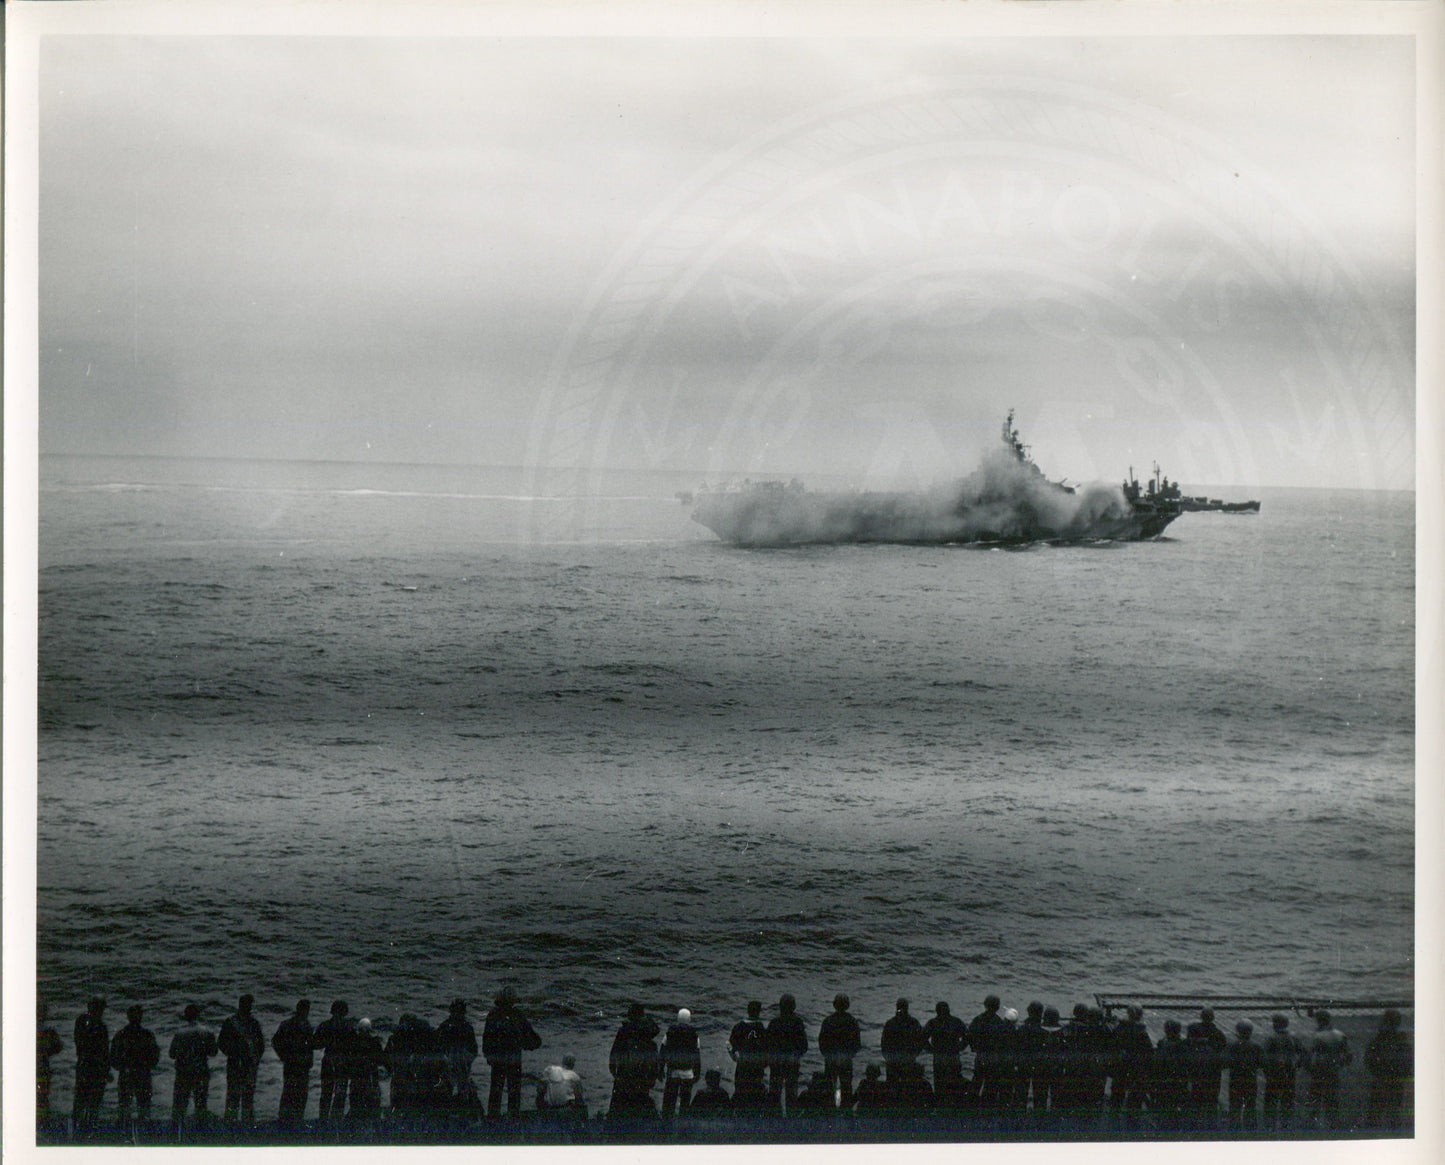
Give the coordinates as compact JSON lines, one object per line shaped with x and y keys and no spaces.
{"x":1112,"y":1001}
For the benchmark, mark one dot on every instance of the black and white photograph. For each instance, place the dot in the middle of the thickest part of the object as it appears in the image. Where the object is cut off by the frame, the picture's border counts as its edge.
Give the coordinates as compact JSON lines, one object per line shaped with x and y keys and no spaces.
{"x":721,"y":576}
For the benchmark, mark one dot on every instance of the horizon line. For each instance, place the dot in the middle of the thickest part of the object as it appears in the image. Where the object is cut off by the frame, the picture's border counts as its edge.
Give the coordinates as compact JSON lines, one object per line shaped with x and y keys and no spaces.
{"x":703,"y":474}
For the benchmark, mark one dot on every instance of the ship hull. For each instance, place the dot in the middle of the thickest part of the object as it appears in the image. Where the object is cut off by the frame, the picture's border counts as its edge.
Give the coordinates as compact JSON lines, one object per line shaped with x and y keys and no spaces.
{"x":765,"y":516}
{"x":1006,"y":501}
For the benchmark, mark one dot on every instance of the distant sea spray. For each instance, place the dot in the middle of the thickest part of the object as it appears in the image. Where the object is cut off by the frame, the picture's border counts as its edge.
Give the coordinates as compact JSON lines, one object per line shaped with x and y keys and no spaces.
{"x":1003,"y":500}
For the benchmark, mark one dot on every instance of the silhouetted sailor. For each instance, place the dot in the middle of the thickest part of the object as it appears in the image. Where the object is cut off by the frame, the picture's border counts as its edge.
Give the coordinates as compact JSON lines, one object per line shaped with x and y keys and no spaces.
{"x":1030,"y":1042}
{"x":839,"y":1040}
{"x":435,"y":1087}
{"x":634,"y":1064}
{"x":242,"y":1043}
{"x":947,"y":1037}
{"x":1011,"y":1096}
{"x":333,"y":1037}
{"x":1083,"y":1069}
{"x":1169,"y":1089}
{"x":901,"y":1043}
{"x":908,"y":1090}
{"x":506,"y":1034}
{"x":47,"y":1044}
{"x":987,"y":1036}
{"x":456,"y":1039}
{"x":787,"y":1044}
{"x":1390,"y":1060}
{"x":1133,"y":1052}
{"x":816,"y":1098}
{"x":559,"y":1090}
{"x":1283,"y":1055}
{"x":1049,"y":1089}
{"x":1206,"y":1045}
{"x":681,"y":1064}
{"x":1244,"y":1058}
{"x":408,"y":1052}
{"x":134,"y":1055}
{"x":1329,"y":1052}
{"x":1068,"y":1052}
{"x":748,"y":1046}
{"x":872,"y":1094}
{"x":292,"y":1044}
{"x":1101,"y":1058}
{"x":363,"y":1066}
{"x":92,"y":1065}
{"x":712,"y":1100}
{"x":192,"y":1048}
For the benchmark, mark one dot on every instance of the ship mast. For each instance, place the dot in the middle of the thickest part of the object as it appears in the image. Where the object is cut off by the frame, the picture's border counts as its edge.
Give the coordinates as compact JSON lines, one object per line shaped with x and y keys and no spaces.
{"x":1011,"y":439}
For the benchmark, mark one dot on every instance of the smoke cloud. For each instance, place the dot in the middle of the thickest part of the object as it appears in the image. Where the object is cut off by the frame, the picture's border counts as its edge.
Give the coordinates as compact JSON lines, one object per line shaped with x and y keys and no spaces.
{"x":1004,"y":500}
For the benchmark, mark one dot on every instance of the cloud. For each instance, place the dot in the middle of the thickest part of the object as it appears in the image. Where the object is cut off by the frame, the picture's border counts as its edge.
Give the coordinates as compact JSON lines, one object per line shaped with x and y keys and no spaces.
{"x":284,"y":243}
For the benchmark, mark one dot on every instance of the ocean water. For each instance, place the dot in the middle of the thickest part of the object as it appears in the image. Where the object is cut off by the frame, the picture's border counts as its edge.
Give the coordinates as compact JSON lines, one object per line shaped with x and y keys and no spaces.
{"x":396,"y":734}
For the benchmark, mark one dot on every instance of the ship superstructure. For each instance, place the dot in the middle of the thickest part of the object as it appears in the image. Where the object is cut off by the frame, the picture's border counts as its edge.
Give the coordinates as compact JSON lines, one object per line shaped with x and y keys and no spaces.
{"x":1008,"y":500}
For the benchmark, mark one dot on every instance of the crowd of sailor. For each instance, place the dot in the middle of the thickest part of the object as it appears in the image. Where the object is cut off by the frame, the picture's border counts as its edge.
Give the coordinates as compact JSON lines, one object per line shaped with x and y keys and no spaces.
{"x":1095,"y":1070}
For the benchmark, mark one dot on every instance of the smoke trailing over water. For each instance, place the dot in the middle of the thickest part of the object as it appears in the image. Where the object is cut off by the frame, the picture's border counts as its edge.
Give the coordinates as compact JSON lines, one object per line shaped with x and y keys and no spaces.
{"x":1004,"y":500}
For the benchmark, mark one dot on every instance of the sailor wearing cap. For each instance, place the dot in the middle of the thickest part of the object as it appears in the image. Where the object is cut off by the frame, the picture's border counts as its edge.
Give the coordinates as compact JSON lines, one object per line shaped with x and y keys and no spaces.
{"x":682,"y":1061}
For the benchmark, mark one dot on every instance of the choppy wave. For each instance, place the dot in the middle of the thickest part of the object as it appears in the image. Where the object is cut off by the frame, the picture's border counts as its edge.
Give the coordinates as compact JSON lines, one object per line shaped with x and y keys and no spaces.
{"x":693,"y":776}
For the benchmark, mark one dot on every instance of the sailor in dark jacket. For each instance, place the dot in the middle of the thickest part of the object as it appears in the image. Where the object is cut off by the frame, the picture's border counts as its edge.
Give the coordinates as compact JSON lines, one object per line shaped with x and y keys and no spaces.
{"x":1010,"y":1066}
{"x":92,"y":1064}
{"x":505,"y":1036}
{"x":947,"y":1037}
{"x":1049,"y":1085}
{"x":457,"y":1041}
{"x":191,"y":1049}
{"x":748,"y":1046}
{"x":1245,"y":1059}
{"x":987,"y":1035}
{"x":712,"y":1100}
{"x":872,"y":1096}
{"x":634,"y":1064}
{"x":902,"y":1043}
{"x":333,"y":1038}
{"x":408,"y":1055}
{"x":681,"y":1064}
{"x":1132,"y":1050}
{"x":1206,"y":1045}
{"x":1085,"y":1049}
{"x":787,"y":1044}
{"x":364,"y":1069}
{"x":1283,"y":1055}
{"x":1390,"y":1059}
{"x":1329,"y":1052}
{"x":47,"y":1044}
{"x":1169,"y":1078}
{"x":839,"y":1040}
{"x":1099,"y":1060}
{"x":293,"y":1046}
{"x":242,"y":1043}
{"x":910,"y":1092}
{"x":1029,"y":1044}
{"x":134,"y":1055}
{"x":816,"y":1098}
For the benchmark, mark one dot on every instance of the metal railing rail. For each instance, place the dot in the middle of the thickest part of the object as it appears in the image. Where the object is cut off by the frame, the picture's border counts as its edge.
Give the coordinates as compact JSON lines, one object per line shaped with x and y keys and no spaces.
{"x":1300,"y":1004}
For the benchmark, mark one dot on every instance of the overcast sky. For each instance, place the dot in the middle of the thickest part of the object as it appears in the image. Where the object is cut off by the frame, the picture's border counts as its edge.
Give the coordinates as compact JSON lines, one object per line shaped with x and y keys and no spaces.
{"x":780,"y":256}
